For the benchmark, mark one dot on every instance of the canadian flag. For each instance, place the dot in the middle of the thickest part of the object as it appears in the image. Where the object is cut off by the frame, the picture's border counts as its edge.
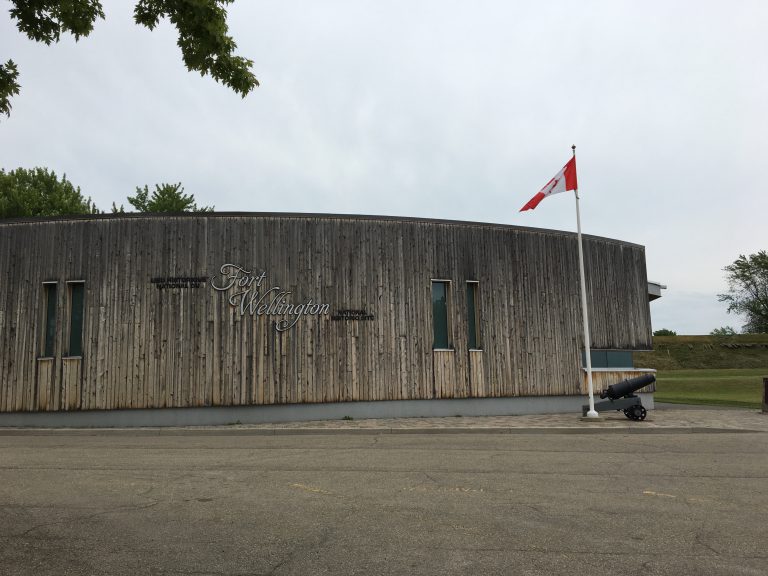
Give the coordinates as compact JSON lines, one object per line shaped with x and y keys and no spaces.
{"x":564,"y":181}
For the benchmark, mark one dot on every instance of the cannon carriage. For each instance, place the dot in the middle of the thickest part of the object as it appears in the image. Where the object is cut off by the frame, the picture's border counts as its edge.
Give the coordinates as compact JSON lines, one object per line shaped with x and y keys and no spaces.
{"x":622,"y":396}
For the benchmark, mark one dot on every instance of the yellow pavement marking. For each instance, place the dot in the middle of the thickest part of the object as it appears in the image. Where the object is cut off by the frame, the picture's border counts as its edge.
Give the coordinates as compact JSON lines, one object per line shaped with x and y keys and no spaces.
{"x":442,"y":489}
{"x":660,"y":494}
{"x":312,"y":489}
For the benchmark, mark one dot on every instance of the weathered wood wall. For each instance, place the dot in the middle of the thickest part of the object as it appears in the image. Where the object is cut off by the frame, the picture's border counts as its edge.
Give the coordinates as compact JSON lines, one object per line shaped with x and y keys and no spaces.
{"x":146,"y":347}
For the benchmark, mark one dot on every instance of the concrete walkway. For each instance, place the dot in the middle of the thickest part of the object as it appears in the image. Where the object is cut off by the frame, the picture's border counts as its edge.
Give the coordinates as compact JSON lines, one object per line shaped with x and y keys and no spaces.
{"x":664,"y":421}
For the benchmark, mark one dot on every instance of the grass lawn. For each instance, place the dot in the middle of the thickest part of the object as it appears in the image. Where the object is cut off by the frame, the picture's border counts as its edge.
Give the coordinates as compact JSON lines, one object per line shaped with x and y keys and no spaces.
{"x":725,"y":387}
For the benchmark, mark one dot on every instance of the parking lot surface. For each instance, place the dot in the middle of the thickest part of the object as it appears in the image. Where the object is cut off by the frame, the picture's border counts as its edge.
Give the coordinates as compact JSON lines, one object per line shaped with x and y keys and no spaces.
{"x":243,"y":503}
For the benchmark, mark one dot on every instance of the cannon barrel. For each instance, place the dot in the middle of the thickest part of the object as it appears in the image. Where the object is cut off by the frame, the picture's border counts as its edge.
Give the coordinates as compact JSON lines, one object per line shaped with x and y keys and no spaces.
{"x":627,"y":387}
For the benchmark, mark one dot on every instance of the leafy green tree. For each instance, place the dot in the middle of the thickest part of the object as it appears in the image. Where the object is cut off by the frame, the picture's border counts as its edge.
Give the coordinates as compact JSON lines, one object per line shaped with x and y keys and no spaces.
{"x":748,"y":290}
{"x":206,"y":46}
{"x":165,"y":198}
{"x":39,"y":192}
{"x":665,"y":332}
{"x":8,"y":86}
{"x":723,"y":331}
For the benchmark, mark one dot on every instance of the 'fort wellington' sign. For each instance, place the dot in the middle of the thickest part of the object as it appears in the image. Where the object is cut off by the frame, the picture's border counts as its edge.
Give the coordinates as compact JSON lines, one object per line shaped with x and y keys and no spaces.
{"x":251,"y":294}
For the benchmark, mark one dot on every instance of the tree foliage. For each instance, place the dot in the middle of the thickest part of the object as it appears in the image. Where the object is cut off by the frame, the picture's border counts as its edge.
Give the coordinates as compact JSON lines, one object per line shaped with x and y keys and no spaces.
{"x":723,"y":331}
{"x":748,"y":290}
{"x":206,"y":46}
{"x":39,"y":192}
{"x":664,"y":332}
{"x":9,"y":86}
{"x":45,"y":20}
{"x":165,"y":198}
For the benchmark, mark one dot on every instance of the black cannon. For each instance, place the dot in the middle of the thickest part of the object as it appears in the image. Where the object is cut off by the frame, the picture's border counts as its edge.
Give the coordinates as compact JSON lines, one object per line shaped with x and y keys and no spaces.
{"x":621,"y":397}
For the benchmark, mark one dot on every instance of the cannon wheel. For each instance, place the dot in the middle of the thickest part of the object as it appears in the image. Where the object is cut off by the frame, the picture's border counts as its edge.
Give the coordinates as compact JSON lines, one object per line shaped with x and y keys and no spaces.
{"x":636,"y":413}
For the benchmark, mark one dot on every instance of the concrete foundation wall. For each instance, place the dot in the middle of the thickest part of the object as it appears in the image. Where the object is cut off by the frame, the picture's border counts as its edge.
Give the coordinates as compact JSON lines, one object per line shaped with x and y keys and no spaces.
{"x":217,"y":416}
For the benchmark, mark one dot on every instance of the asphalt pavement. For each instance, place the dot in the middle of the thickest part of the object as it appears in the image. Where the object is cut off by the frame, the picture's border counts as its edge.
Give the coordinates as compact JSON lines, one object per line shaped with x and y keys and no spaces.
{"x":243,"y":502}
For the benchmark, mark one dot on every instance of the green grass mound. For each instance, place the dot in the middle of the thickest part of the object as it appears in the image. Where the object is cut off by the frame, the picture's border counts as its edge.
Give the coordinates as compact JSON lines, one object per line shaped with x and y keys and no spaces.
{"x":700,"y":352}
{"x":715,"y":370}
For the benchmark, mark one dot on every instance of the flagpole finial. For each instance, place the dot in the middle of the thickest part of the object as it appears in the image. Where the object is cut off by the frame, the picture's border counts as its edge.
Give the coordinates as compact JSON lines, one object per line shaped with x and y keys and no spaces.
{"x":573,"y":147}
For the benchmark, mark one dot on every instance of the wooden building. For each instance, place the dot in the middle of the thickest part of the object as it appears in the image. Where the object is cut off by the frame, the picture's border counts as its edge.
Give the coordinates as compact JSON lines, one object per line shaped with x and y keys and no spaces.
{"x":137,"y":312}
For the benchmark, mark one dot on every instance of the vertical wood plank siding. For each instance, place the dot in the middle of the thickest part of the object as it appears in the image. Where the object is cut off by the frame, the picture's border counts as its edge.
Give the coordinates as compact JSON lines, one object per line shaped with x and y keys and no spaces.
{"x":146,"y":347}
{"x":604,"y":377}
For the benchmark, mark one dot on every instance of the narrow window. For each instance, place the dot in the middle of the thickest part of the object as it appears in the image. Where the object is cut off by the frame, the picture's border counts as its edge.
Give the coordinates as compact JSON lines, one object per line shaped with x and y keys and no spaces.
{"x":472,"y":316}
{"x":620,"y":359}
{"x":440,"y":315}
{"x":49,"y":334}
{"x":609,"y":359}
{"x":76,"y":298}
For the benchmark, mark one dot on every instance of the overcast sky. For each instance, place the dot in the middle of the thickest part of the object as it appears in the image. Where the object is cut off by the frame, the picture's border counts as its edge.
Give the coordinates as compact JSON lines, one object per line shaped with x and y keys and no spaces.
{"x":437,"y":109}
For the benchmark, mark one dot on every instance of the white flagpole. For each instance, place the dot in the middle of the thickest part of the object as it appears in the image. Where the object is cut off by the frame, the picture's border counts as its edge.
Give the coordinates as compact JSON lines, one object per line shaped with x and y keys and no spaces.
{"x":592,"y":413}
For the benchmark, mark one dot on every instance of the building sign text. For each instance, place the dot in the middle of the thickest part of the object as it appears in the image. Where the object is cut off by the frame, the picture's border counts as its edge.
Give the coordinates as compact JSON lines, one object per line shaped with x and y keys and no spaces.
{"x":162,"y":283}
{"x":351,"y":315}
{"x":251,"y":294}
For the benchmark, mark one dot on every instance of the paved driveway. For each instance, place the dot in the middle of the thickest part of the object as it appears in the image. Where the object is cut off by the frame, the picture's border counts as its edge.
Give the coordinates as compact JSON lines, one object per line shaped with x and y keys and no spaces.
{"x":475,"y":504}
